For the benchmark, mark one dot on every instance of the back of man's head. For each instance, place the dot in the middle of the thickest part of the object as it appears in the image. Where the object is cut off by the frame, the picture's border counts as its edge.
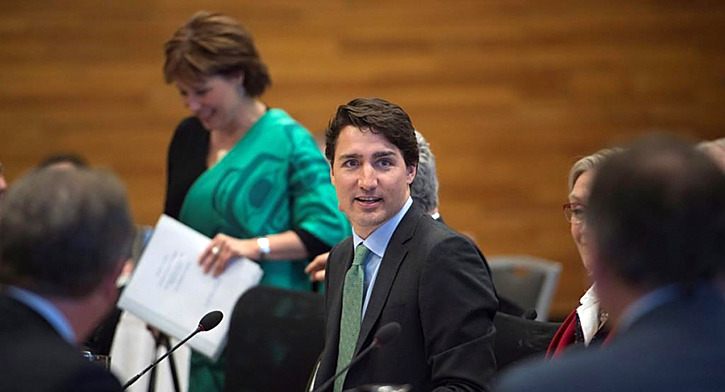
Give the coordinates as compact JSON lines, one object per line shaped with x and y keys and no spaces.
{"x":62,"y":231}
{"x":657,"y":214}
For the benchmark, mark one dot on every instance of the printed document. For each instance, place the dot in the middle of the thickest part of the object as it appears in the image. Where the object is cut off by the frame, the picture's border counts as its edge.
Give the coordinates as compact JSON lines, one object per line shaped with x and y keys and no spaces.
{"x":169,"y":290}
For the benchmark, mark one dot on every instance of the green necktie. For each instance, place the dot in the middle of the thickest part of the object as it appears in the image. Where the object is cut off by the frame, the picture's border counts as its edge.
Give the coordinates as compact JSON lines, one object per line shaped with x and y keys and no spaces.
{"x":352,"y":301}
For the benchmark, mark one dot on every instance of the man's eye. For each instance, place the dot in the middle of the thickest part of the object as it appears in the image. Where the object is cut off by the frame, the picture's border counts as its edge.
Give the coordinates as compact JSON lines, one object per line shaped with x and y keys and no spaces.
{"x":349,"y":163}
{"x":385,"y":163}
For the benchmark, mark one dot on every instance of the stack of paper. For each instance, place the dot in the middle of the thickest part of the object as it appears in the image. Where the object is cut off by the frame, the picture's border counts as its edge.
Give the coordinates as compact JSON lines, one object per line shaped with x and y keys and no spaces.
{"x":170,"y":291}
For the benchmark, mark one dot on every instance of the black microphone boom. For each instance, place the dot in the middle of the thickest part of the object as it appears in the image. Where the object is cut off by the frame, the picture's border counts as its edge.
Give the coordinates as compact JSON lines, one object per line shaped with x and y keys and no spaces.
{"x":208,"y":322}
{"x":385,"y":334}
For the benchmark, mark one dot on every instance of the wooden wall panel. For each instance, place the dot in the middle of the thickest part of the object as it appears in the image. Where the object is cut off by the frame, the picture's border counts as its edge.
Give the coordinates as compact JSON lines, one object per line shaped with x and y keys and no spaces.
{"x":509,"y":93}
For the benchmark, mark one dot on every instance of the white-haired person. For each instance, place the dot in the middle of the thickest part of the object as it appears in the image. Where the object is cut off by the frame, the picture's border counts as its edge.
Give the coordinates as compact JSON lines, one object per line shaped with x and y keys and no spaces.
{"x":587,"y":324}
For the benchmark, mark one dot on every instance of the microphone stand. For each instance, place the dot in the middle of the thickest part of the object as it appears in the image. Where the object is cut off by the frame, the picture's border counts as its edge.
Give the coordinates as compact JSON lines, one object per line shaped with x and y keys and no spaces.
{"x":207,"y":323}
{"x":172,"y":365}
{"x":162,"y":339}
{"x":136,"y":377}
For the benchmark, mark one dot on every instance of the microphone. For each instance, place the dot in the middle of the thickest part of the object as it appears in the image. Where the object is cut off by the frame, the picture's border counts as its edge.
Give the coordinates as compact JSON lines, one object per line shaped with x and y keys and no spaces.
{"x":385,"y":334}
{"x":208,"y":322}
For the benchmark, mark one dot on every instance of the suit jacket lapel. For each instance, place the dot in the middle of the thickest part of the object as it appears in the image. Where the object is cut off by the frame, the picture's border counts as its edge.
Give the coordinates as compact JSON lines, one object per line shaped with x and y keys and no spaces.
{"x":394,"y":256}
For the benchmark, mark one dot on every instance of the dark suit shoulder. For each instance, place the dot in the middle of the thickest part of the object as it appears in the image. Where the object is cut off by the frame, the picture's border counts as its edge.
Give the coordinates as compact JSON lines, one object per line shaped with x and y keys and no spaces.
{"x":92,"y":378}
{"x":347,"y":242}
{"x":40,"y":360}
{"x":430,"y":234}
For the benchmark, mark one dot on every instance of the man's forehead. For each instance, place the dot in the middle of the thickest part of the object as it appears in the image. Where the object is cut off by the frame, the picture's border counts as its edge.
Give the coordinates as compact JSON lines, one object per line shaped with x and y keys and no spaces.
{"x":364,"y":137}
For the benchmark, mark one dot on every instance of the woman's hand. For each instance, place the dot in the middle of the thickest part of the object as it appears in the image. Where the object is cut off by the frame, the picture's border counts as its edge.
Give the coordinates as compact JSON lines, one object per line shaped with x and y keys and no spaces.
{"x":316,"y":268}
{"x":223,"y":249}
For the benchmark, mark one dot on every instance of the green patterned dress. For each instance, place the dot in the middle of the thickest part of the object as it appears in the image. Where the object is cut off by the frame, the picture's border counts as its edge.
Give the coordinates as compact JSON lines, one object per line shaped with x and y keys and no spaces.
{"x":273,"y":180}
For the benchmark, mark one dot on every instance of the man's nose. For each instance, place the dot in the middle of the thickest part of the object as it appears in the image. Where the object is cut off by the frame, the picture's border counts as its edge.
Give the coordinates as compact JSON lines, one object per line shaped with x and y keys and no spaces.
{"x":368,"y":178}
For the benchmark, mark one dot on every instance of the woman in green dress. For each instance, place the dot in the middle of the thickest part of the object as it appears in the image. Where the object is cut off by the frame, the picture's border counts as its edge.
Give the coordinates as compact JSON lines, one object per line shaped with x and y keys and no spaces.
{"x":249,"y":176}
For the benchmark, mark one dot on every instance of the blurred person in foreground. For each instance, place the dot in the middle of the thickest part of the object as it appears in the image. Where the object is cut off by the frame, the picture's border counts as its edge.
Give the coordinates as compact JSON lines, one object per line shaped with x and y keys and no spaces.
{"x":64,"y":237}
{"x":715,"y":149}
{"x":656,"y":221}
{"x":407,"y":268}
{"x":249,"y":176}
{"x":587,"y":324}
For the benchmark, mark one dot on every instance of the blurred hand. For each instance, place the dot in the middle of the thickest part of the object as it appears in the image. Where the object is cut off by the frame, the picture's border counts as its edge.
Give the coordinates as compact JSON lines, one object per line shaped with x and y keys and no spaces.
{"x":316,"y":268}
{"x":223,"y":249}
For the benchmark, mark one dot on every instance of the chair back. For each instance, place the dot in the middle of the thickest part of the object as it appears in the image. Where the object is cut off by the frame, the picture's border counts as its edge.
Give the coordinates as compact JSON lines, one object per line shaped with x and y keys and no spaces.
{"x":275,"y":337}
{"x":528,"y":281}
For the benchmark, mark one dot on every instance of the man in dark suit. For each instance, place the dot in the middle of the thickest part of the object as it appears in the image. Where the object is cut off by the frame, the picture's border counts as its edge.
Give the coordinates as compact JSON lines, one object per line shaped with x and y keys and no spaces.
{"x":656,"y":221}
{"x":64,"y":236}
{"x":411,"y":269}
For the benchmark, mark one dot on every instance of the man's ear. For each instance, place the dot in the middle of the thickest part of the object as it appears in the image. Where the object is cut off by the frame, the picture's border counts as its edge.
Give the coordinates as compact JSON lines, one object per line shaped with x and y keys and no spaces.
{"x":109,"y":287}
{"x":412,"y":170}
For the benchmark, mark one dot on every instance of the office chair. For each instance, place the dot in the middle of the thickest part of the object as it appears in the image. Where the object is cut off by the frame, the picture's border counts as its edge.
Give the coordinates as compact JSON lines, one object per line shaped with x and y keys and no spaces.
{"x":275,"y":337}
{"x":528,"y":281}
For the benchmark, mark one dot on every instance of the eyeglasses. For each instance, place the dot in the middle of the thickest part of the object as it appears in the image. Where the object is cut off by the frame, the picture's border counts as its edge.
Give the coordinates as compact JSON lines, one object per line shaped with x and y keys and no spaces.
{"x":574,"y":212}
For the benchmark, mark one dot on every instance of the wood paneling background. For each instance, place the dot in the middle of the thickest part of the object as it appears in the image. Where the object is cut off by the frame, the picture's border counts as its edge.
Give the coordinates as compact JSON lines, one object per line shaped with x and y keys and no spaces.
{"x":509,"y":93}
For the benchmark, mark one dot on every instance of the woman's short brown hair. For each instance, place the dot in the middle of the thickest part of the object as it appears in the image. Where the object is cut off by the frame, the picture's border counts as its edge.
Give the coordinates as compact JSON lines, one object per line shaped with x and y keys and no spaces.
{"x":211,"y":44}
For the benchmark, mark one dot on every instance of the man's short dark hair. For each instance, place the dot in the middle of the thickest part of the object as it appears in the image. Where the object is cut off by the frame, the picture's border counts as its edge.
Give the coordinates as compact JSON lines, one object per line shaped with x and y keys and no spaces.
{"x":657,"y":213}
{"x":63,"y":231}
{"x":377,"y":116}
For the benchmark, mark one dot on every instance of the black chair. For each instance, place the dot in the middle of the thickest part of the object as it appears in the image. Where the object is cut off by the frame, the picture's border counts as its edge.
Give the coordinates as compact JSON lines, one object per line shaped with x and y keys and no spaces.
{"x":275,"y":337}
{"x":518,"y":338}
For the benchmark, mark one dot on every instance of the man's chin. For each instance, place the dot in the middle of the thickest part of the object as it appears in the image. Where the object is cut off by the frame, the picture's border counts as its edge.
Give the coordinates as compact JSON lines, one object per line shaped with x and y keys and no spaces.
{"x":367,"y":223}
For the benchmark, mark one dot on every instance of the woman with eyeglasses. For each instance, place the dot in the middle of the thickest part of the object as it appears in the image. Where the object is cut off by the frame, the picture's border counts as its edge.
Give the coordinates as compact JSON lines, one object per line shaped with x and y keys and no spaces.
{"x":587,"y":324}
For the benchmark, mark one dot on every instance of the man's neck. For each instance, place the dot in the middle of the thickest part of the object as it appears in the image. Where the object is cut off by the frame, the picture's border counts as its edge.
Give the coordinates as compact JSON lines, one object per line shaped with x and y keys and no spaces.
{"x":82,"y":314}
{"x":392,"y":221}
